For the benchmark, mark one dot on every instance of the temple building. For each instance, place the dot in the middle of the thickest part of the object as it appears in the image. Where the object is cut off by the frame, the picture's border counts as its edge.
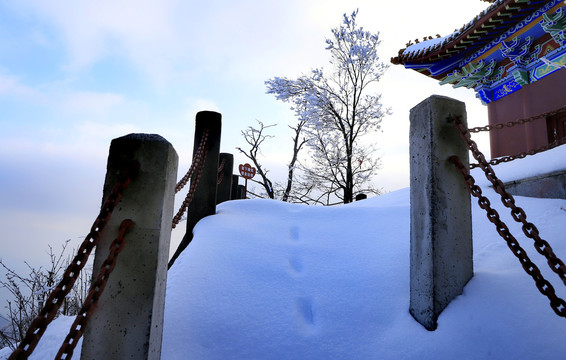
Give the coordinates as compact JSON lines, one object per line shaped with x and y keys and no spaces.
{"x":513,"y":55}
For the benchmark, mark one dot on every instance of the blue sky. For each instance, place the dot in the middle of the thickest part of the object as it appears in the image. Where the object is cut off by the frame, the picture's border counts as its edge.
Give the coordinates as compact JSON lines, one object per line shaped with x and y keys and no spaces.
{"x":76,"y":74}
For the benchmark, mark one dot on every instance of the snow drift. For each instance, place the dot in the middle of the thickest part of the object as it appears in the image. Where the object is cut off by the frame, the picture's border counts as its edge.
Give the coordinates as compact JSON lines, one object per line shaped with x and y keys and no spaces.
{"x":264,"y":279}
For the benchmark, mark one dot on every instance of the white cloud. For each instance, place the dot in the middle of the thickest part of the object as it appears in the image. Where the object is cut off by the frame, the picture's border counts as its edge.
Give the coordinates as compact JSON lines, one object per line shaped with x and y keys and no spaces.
{"x":11,"y":86}
{"x":194,"y":105}
{"x":142,"y":31}
{"x":169,"y":40}
{"x":88,"y":102}
{"x":60,"y":97}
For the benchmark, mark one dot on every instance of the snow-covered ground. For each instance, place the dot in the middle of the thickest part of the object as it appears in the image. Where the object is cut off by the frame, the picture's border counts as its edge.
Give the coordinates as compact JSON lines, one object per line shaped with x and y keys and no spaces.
{"x":264,"y":279}
{"x":543,"y":163}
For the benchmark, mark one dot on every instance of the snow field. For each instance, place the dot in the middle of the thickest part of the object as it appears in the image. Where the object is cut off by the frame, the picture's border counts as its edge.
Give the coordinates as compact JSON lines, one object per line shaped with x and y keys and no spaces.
{"x":264,"y":279}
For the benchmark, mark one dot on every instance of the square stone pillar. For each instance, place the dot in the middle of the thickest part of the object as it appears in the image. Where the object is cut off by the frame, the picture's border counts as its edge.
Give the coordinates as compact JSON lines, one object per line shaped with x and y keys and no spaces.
{"x":441,"y":220}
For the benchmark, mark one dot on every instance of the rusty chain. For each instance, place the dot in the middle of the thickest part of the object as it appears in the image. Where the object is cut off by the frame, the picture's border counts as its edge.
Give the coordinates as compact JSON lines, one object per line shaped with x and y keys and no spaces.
{"x":194,"y":182}
{"x":557,"y":304}
{"x":509,"y":124}
{"x":95,"y":291}
{"x":220,"y":172}
{"x":197,"y":158}
{"x":523,"y":154}
{"x":57,"y":296}
{"x":518,"y":214}
{"x":516,"y":122}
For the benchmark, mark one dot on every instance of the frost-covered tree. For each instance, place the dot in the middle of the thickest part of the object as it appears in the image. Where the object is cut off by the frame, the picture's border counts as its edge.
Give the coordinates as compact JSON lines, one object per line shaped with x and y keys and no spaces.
{"x":339,"y":107}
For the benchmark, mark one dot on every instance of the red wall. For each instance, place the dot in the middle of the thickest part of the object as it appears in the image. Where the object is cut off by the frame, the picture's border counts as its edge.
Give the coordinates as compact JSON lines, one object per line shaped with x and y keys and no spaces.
{"x":544,"y":95}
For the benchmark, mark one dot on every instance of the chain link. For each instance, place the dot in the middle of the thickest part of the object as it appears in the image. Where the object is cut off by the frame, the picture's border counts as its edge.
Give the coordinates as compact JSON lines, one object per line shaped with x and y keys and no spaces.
{"x":518,"y":214}
{"x":557,"y":304}
{"x":221,"y":166}
{"x":198,"y":157}
{"x":194,"y":182}
{"x":220,"y":172}
{"x":516,"y":122}
{"x":523,"y":154}
{"x":95,"y":291}
{"x":57,"y":296}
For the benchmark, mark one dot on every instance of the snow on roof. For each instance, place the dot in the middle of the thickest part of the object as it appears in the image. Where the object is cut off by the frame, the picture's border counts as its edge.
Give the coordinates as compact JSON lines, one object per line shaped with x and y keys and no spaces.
{"x":425,"y":47}
{"x":426,"y":44}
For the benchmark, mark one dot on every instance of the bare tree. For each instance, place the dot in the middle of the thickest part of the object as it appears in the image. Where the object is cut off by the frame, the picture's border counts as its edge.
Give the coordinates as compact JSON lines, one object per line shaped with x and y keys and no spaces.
{"x":30,"y":291}
{"x":255,"y":138}
{"x":338,"y":110}
{"x":298,"y":142}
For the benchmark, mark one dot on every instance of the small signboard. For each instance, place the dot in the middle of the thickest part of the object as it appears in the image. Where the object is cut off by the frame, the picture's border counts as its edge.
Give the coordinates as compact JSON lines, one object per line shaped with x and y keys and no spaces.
{"x":247,"y":171}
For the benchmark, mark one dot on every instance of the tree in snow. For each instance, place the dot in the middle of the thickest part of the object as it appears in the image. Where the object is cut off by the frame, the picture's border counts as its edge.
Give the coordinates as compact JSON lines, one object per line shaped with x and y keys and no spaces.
{"x":338,"y":109}
{"x":29,"y":292}
{"x":298,"y":142}
{"x":255,"y":138}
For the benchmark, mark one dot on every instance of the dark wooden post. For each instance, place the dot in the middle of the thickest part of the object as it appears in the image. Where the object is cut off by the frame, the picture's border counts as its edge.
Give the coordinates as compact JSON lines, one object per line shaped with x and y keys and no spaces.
{"x":235,"y":181}
{"x":204,"y":200}
{"x":241,"y":192}
{"x":225,"y":168}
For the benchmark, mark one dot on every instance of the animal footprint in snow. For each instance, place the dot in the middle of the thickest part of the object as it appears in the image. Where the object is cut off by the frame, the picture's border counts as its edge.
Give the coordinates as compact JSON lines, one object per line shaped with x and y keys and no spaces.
{"x":296,"y":264}
{"x":305,"y":315}
{"x":294,"y":233}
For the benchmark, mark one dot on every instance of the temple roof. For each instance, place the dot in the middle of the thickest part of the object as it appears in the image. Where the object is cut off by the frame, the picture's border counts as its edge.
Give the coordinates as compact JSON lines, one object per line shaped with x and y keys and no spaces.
{"x":436,"y":57}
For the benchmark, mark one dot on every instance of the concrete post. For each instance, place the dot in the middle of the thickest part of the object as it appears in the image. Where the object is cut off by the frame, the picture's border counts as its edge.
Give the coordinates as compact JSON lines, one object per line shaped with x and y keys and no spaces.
{"x":204,"y":200}
{"x":128,"y":320}
{"x":224,"y":190}
{"x":235,"y":181}
{"x":441,"y":228}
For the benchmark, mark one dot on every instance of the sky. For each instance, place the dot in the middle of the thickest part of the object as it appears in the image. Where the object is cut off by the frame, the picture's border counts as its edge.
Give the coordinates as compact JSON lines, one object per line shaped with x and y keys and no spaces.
{"x":265,"y":279}
{"x":75,"y":75}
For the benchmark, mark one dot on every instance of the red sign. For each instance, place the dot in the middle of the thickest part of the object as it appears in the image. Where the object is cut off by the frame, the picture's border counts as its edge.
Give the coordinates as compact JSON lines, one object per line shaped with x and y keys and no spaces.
{"x":247,"y":171}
